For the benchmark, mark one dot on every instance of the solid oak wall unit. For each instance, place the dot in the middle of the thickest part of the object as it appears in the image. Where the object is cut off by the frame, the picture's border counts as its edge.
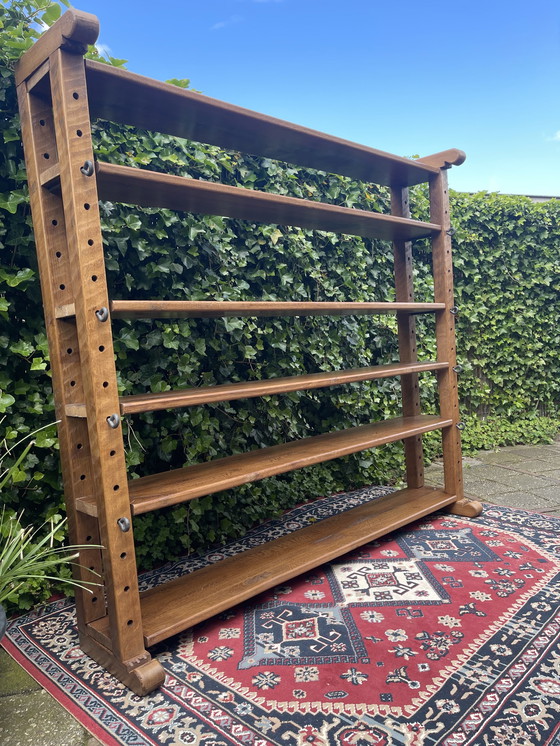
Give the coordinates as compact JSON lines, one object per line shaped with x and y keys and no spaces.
{"x":59,"y":94}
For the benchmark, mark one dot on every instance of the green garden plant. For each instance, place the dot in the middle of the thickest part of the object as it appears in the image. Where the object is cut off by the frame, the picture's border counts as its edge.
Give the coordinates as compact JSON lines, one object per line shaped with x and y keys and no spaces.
{"x":28,"y":553}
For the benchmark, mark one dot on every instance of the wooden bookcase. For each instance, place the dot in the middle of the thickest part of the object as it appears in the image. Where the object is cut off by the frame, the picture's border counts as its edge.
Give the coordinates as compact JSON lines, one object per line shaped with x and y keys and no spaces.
{"x":59,"y":94}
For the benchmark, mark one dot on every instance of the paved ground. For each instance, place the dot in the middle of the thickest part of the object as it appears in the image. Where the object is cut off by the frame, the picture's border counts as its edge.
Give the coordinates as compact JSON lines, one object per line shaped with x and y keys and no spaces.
{"x":521,"y":477}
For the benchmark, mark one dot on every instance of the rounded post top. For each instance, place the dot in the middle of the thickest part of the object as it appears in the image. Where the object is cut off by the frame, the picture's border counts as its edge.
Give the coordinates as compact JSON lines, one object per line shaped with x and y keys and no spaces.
{"x":74,"y":32}
{"x":445,"y":158}
{"x":77,"y":27}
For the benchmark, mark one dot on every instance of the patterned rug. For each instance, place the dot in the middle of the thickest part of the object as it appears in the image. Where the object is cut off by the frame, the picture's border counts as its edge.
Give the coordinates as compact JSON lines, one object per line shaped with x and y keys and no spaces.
{"x":446,"y":632}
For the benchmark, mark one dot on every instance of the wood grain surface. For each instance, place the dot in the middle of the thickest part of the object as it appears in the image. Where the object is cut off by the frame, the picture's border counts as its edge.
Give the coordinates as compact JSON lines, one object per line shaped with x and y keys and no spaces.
{"x":186,"y":601}
{"x":123,"y":96}
{"x":176,"y":486}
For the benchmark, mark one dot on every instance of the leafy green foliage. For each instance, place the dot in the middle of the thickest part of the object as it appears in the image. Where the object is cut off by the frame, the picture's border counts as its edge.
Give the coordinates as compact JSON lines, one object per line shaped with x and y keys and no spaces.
{"x":489,"y":433}
{"x":30,"y":563}
{"x":507,"y":280}
{"x":507,"y":262}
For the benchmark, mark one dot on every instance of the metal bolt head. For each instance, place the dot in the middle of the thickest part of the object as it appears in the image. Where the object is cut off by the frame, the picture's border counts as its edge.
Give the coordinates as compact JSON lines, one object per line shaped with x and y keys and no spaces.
{"x":113,"y":420}
{"x":124,"y":524}
{"x":88,"y":168}
{"x":102,"y":313}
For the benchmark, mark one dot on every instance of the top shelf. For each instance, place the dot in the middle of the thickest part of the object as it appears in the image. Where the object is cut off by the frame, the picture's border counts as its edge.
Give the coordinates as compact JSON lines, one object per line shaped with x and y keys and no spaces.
{"x":122,"y":96}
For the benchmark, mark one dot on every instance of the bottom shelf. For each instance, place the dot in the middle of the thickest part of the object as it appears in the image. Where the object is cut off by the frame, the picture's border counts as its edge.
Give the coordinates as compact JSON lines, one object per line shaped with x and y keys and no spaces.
{"x":175,"y":606}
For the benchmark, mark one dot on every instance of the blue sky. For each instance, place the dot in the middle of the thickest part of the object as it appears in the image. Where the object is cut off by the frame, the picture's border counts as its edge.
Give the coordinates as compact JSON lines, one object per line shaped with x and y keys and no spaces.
{"x":407,"y":77}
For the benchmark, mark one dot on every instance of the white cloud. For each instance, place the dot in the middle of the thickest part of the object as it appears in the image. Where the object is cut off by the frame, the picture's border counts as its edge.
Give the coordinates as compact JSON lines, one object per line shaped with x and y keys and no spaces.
{"x":555,"y":137}
{"x":229,"y":22}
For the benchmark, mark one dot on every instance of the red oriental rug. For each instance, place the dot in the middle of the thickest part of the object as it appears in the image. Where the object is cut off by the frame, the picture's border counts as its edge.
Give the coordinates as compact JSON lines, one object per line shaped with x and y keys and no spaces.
{"x":445,"y":633}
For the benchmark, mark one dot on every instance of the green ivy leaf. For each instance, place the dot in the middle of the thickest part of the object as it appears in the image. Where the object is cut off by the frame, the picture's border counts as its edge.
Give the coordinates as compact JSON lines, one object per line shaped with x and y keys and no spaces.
{"x":6,"y":400}
{"x":51,"y":14}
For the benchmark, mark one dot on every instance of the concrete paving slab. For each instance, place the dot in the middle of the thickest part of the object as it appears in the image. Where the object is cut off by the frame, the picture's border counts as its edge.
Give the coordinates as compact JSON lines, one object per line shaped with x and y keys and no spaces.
{"x":499,"y":457}
{"x":552,"y":457}
{"x":470,"y":461}
{"x":483,"y":488}
{"x":503,"y":474}
{"x":550,"y":494}
{"x":433,"y":483}
{"x":530,"y":482}
{"x":521,"y":500}
{"x":433,"y":477}
{"x":533,"y":451}
{"x":29,"y":716}
{"x":555,"y":474}
{"x":36,"y":719}
{"x":538,"y":465}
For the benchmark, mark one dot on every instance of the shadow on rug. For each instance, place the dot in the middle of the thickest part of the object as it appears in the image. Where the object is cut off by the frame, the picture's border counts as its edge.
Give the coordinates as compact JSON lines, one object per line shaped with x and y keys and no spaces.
{"x":445,"y":633}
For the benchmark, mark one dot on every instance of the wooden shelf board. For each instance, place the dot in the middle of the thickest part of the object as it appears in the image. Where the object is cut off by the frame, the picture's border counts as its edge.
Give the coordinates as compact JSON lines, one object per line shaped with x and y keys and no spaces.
{"x":175,"y":606}
{"x":121,"y":96}
{"x":179,"y":485}
{"x":247,"y":389}
{"x":152,"y":402}
{"x":146,"y":188}
{"x":162,"y":309}
{"x":153,"y":189}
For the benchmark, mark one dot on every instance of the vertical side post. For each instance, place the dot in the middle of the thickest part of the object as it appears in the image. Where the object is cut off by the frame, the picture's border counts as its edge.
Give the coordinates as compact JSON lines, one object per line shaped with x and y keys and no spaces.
{"x":404,"y":287}
{"x":57,"y":138}
{"x":85,"y":248}
{"x":445,"y":334}
{"x":37,"y":127}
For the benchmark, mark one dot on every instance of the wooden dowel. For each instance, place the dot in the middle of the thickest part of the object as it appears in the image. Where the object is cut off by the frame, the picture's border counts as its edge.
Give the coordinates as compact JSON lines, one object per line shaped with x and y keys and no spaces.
{"x":161,"y":309}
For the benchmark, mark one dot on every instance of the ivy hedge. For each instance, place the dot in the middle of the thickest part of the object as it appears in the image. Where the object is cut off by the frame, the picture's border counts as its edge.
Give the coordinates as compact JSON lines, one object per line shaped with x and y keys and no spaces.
{"x":507,"y":260}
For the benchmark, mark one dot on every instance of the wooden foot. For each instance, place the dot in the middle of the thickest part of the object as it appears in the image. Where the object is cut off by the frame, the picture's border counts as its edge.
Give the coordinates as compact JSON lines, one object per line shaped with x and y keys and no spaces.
{"x":146,"y":678}
{"x":141,"y":675}
{"x":467,"y":508}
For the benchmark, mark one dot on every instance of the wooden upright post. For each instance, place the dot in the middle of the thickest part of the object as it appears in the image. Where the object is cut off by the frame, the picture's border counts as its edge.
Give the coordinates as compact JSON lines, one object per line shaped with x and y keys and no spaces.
{"x":54,"y":268}
{"x":58,"y":144}
{"x":406,"y":322}
{"x":445,"y":331}
{"x":445,"y":334}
